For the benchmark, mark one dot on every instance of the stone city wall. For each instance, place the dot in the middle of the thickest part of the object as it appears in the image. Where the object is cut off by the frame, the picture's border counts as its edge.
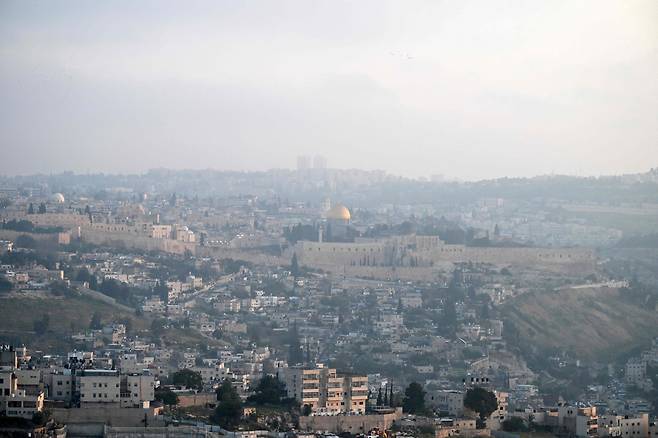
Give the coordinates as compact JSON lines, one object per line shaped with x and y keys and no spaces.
{"x":129,"y":239}
{"x":353,"y":424}
{"x":65,"y":220}
{"x":383,"y":260}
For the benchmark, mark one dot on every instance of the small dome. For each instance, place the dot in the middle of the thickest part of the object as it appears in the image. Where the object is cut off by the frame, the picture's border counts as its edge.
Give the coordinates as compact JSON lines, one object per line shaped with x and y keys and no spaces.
{"x":339,"y":212}
{"x":57,"y":198}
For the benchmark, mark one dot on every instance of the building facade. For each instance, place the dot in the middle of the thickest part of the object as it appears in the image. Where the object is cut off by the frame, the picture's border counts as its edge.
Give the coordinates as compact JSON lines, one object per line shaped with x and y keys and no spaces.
{"x":324,"y":391}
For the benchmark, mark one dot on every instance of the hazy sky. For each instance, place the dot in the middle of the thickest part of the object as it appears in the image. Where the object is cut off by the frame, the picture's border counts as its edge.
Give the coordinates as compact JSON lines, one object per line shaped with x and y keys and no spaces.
{"x":468,"y":89}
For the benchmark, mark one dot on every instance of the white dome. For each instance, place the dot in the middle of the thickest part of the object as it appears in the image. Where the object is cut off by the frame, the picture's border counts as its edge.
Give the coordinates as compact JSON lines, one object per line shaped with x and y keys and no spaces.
{"x":57,"y":198}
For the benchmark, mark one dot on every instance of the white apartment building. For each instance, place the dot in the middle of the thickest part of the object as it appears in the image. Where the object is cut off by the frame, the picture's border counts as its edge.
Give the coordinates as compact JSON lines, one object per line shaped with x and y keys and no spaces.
{"x":153,"y":305}
{"x":450,"y":401}
{"x":108,"y":387}
{"x":15,"y":401}
{"x":623,"y":426}
{"x":18,"y":398}
{"x":412,"y":300}
{"x":137,"y":390}
{"x":214,"y":373}
{"x":636,"y":371}
{"x":99,"y":386}
{"x":231,"y":306}
{"x":59,"y":384}
{"x":325,"y":391}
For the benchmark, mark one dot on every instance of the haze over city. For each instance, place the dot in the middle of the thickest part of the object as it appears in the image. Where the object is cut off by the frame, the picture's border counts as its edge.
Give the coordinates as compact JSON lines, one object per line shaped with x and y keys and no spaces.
{"x":329,"y":219}
{"x":470,"y":90}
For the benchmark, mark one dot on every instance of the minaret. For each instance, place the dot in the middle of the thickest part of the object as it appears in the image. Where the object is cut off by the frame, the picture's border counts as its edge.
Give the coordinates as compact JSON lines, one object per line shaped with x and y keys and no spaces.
{"x":320,"y":234}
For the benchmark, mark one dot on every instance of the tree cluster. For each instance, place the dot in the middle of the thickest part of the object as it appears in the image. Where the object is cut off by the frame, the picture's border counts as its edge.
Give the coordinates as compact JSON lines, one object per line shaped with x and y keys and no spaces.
{"x":166,"y":396}
{"x":414,"y":399}
{"x":271,"y":391}
{"x":188,"y":379}
{"x":117,"y":290}
{"x":228,"y":412}
{"x":481,"y":401}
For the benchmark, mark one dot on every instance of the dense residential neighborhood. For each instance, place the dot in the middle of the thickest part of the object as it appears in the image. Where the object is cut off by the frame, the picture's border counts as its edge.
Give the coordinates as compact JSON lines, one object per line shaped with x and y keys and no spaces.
{"x":232,"y":314}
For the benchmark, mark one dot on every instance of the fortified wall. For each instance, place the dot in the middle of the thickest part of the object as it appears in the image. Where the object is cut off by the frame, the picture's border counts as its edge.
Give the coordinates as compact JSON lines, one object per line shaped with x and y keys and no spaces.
{"x":132,"y":237}
{"x":65,"y":220}
{"x":354,"y":424}
{"x":427,"y":253}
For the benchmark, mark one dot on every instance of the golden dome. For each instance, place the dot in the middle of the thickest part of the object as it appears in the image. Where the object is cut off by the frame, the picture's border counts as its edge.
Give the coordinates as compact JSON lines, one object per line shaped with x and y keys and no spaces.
{"x":339,"y":212}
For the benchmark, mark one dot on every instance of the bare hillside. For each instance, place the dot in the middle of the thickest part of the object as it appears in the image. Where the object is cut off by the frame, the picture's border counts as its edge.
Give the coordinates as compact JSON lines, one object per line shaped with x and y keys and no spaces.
{"x":590,"y":323}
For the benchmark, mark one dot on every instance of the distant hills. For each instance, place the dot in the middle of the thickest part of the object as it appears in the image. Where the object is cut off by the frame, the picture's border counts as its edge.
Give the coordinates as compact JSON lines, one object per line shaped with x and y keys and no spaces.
{"x":352,"y":186}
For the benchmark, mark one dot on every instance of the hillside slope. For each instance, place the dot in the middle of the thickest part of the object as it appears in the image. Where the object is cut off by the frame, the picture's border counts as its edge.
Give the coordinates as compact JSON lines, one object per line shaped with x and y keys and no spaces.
{"x":589,"y":323}
{"x":68,"y":315}
{"x":72,"y":314}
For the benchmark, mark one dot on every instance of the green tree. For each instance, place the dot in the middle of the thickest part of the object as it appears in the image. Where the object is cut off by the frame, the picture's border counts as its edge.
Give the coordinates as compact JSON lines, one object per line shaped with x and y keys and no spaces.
{"x":96,"y":323}
{"x":514,"y":424}
{"x":414,"y":399}
{"x":162,"y":291}
{"x":481,"y":401}
{"x":166,"y":396}
{"x":41,"y":325}
{"x":379,"y":397}
{"x":40,"y":418}
{"x":5,"y":285}
{"x":450,"y":315}
{"x":30,"y":209}
{"x":158,"y":327}
{"x":84,"y":275}
{"x":270,"y":390}
{"x":295,"y":354}
{"x":188,"y":378}
{"x":228,"y":412}
{"x":652,"y":374}
{"x":25,"y":241}
{"x":294,"y":266}
{"x":42,"y":208}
